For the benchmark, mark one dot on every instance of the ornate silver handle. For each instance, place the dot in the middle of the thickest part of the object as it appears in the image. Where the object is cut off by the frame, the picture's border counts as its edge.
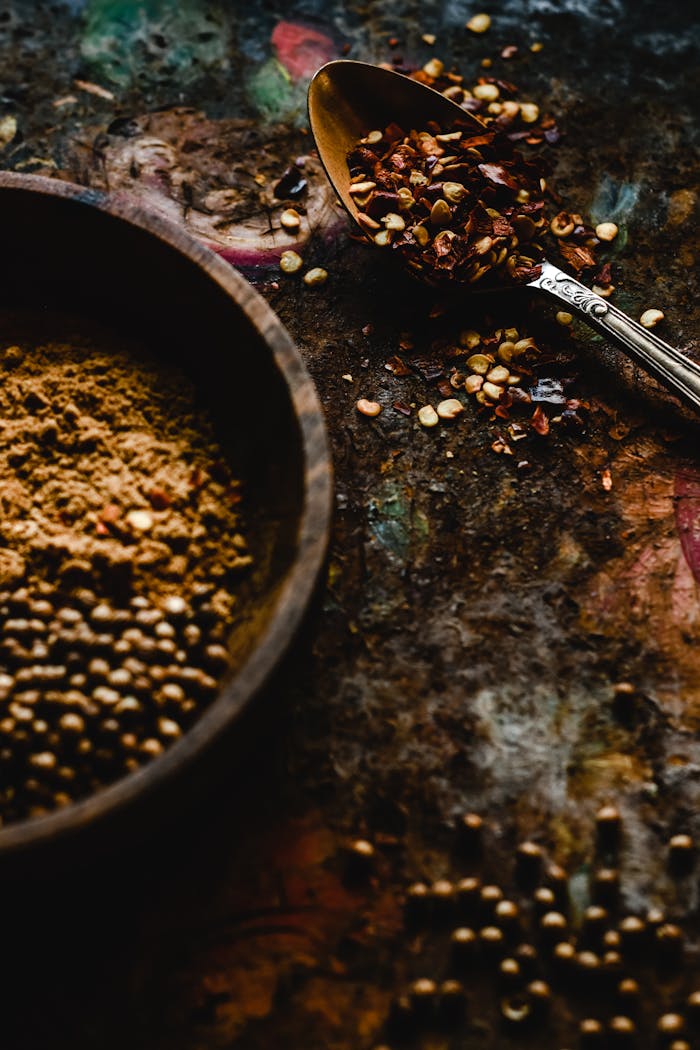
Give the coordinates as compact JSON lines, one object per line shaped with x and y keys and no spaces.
{"x":669,"y":366}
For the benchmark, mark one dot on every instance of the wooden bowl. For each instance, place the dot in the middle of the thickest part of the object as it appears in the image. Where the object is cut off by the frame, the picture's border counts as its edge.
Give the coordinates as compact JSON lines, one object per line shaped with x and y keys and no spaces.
{"x":81,"y":252}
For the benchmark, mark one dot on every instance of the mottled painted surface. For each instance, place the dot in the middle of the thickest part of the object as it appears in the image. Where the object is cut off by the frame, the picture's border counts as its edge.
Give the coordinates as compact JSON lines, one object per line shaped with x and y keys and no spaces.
{"x":474,"y":619}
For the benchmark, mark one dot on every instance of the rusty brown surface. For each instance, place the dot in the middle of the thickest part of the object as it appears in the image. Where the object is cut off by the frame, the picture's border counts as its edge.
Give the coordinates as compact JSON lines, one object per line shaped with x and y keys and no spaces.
{"x":475,"y":619}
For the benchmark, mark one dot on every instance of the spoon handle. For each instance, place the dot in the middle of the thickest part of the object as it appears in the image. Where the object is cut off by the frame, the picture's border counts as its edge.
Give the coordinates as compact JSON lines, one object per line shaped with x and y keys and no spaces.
{"x":669,"y":366}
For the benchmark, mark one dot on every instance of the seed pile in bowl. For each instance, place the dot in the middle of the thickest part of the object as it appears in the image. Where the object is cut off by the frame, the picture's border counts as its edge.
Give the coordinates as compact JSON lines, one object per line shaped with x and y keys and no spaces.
{"x":120,"y":552}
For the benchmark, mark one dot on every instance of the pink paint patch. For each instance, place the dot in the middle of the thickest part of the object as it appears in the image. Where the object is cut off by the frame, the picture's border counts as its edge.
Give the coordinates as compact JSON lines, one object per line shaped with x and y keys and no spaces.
{"x":300,"y":49}
{"x":687,"y":502}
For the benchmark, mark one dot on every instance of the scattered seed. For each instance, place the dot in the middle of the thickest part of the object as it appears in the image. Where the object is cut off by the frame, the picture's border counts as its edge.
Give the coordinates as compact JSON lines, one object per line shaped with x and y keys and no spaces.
{"x":315,"y":276}
{"x":564,"y":318}
{"x":529,"y":112}
{"x":434,"y":68}
{"x":449,"y":409}
{"x":650,"y":318}
{"x":606,"y":231}
{"x":427,"y":416}
{"x":368,"y":408}
{"x":479,"y":23}
{"x":440,"y":213}
{"x":486,"y":92}
{"x":290,"y":262}
{"x":394,"y":222}
{"x":290,"y":219}
{"x":491,"y":391}
{"x":140,"y":520}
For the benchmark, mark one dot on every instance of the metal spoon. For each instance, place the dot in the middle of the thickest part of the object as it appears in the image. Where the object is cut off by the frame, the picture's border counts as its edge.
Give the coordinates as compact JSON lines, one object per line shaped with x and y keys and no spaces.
{"x":348,"y":99}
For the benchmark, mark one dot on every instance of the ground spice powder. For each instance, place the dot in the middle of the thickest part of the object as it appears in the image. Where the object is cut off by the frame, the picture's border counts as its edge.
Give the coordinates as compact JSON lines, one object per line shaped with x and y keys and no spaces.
{"x":120,"y":551}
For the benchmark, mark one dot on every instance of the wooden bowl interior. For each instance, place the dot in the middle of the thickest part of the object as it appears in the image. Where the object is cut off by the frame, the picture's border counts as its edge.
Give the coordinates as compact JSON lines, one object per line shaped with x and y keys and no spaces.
{"x":64,"y":254}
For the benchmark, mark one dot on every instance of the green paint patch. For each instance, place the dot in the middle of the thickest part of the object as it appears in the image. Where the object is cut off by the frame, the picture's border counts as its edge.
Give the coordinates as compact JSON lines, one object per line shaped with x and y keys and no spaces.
{"x":395,"y":522}
{"x":181,"y":38}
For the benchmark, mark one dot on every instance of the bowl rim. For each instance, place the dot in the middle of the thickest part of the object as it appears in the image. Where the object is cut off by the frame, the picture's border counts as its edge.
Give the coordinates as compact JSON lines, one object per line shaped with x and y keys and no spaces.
{"x":296,"y":590}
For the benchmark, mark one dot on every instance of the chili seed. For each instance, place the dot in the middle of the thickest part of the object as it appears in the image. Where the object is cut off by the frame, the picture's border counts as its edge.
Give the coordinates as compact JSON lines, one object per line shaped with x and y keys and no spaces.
{"x":291,"y":261}
{"x":290,"y":219}
{"x":606,"y":231}
{"x":450,"y":409}
{"x":427,"y":416}
{"x":368,"y":408}
{"x":315,"y":276}
{"x":479,"y":23}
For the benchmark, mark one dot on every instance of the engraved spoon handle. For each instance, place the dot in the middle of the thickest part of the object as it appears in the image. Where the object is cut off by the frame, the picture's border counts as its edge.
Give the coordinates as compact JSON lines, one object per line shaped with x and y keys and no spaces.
{"x":669,"y":366}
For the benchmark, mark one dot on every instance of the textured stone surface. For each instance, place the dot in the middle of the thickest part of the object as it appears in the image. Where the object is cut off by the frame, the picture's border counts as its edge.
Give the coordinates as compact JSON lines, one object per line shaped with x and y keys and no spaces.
{"x":474,"y":621}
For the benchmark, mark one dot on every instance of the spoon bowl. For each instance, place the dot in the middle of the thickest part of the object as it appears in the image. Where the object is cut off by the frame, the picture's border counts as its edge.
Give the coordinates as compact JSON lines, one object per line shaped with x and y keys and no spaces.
{"x":348,"y":99}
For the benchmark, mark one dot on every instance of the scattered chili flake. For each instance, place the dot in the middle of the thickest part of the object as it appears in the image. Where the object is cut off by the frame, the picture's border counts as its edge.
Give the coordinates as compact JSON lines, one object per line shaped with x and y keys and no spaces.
{"x":397,"y":366}
{"x":159,"y":499}
{"x":399,"y":406}
{"x":540,"y":421}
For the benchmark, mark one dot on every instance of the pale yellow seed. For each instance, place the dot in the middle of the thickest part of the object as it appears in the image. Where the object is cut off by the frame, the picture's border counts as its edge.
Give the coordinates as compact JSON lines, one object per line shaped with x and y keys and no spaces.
{"x":469,"y":338}
{"x":315,"y":276}
{"x":347,"y":377}
{"x":606,"y":231}
{"x":290,"y":219}
{"x":8,"y":129}
{"x":559,"y":229}
{"x":372,"y":138}
{"x":495,"y":108}
{"x":429,"y":39}
{"x":505,"y":351}
{"x":140,"y":520}
{"x":522,"y":345}
{"x":449,"y":136}
{"x":383,"y":238}
{"x":427,"y":416}
{"x":440,"y":213}
{"x":367,"y":222}
{"x":417,"y":178}
{"x":473,"y":383}
{"x":510,"y":108}
{"x":421,"y":234}
{"x":450,"y":408}
{"x":290,"y":262}
{"x":651,"y":317}
{"x":604,"y":291}
{"x":434,"y":68}
{"x":511,"y":333}
{"x":492,"y":391}
{"x":453,"y":192}
{"x":393,"y":221}
{"x":406,"y":200}
{"x":358,"y":189}
{"x":499,"y":374}
{"x":479,"y":23}
{"x":529,"y":112}
{"x":479,"y":363}
{"x":486,"y":92}
{"x":564,"y":318}
{"x":481,"y":397}
{"x":514,"y":380}
{"x":368,"y":408}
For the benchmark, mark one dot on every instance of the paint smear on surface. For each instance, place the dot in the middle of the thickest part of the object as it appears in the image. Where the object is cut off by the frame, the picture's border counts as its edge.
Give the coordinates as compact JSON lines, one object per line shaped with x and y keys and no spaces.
{"x":301,"y":49}
{"x":687,"y":504}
